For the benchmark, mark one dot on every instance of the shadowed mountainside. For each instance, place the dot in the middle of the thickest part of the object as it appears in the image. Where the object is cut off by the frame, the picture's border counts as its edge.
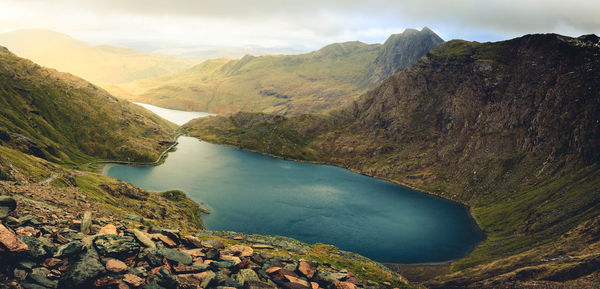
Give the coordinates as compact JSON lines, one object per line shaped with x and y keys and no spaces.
{"x":315,"y":82}
{"x":511,"y":129}
{"x":62,"y":118}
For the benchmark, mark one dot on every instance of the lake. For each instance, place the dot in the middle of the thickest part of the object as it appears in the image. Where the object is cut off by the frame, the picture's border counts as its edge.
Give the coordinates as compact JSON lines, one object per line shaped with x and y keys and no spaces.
{"x":178,"y":117}
{"x":252,"y":193}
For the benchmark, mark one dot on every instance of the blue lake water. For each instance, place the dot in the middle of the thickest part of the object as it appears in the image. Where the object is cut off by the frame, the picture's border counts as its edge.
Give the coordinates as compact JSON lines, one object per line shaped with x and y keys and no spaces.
{"x":252,"y":193}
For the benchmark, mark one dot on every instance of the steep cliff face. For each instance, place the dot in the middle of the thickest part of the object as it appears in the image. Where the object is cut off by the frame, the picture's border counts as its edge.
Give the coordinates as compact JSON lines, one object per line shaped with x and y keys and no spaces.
{"x":510,"y":128}
{"x":62,"y":118}
{"x":402,"y":50}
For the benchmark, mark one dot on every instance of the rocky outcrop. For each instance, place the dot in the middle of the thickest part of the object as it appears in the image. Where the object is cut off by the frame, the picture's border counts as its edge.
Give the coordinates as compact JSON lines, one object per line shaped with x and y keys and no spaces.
{"x":55,"y":254}
{"x":402,"y":50}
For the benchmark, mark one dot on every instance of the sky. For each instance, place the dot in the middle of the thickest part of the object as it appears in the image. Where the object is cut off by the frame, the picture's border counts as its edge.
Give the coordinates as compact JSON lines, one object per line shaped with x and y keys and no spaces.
{"x":174,"y":26}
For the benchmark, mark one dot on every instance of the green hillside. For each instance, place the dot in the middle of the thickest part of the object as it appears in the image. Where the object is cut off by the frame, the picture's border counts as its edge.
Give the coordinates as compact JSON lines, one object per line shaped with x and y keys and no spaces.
{"x":64,"y":119}
{"x":316,"y":82}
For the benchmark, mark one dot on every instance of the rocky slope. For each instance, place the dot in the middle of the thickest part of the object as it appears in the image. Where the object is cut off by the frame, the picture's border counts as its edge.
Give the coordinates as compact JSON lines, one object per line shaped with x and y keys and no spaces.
{"x":314,"y":82}
{"x":78,"y":229}
{"x":65,"y":119}
{"x":510,"y":128}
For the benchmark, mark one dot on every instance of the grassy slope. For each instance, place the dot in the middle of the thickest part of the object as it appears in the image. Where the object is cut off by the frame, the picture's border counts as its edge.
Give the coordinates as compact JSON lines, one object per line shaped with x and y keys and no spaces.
{"x":111,"y":194}
{"x":317,"y":81}
{"x":528,"y":201}
{"x":98,"y":64}
{"x":65,"y":119}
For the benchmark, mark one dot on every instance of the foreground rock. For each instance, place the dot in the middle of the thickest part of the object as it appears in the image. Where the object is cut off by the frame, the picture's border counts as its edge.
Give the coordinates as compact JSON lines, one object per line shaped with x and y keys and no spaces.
{"x":40,"y":252}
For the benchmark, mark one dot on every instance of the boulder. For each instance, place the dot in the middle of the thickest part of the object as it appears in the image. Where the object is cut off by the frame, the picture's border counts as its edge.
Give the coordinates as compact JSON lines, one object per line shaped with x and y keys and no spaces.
{"x":143,"y":238}
{"x":116,"y":246}
{"x":115,"y":266}
{"x":10,"y":241}
{"x":84,"y":271}
{"x":68,"y":249}
{"x":175,"y":256}
{"x":37,"y":249}
{"x":108,"y":229}
{"x":133,"y":280}
{"x":307,"y":269}
{"x":7,"y":205}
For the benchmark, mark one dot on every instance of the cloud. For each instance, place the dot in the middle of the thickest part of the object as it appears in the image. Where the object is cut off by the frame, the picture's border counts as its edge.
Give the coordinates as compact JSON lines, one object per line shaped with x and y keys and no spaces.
{"x":305,"y":24}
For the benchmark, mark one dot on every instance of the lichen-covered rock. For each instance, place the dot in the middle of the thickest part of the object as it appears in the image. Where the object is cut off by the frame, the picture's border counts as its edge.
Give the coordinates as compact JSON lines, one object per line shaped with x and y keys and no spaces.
{"x":116,"y":246}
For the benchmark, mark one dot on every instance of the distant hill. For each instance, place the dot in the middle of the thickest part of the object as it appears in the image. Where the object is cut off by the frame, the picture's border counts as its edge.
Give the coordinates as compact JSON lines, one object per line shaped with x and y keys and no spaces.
{"x":318,"y":82}
{"x":64,"y":119}
{"x":99,"y":64}
{"x":511,"y":129}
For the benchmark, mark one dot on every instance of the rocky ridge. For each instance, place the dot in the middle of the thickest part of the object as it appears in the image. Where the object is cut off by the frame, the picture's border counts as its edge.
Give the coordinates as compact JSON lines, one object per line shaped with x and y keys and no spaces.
{"x":42,"y":246}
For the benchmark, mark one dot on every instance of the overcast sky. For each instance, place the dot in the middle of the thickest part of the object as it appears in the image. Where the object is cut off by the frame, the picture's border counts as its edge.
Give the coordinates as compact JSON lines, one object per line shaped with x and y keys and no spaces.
{"x":300,"y":25}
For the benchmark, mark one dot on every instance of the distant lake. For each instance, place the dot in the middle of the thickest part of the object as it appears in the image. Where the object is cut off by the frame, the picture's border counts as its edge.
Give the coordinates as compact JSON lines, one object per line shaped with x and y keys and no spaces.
{"x":178,"y":117}
{"x":252,"y":193}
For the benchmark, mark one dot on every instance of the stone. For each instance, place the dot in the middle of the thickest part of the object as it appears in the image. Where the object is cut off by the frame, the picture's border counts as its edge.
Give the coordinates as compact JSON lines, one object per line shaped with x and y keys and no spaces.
{"x":37,"y":249}
{"x":7,"y":205}
{"x":28,"y":231}
{"x":246,"y":275}
{"x":192,"y":241}
{"x":344,"y":285}
{"x":238,"y":238}
{"x":116,"y":246}
{"x":307,"y":269}
{"x":333,"y":277}
{"x":262,"y":246}
{"x":86,"y":223}
{"x":38,"y":275}
{"x":273,"y":270}
{"x":68,"y":249}
{"x":206,"y":278}
{"x":182,"y":269}
{"x":251,"y":284}
{"x":87,"y":268}
{"x":297,"y":280}
{"x":166,"y":240}
{"x":109,"y":229}
{"x":105,"y":282}
{"x":20,"y":274}
{"x":51,"y":262}
{"x":213,"y":243}
{"x":223,"y":264}
{"x":314,"y":285}
{"x":241,"y":251}
{"x":133,"y":280}
{"x":213,"y":254}
{"x":115,"y":266}
{"x":175,"y":256}
{"x":143,"y":238}
{"x":10,"y":241}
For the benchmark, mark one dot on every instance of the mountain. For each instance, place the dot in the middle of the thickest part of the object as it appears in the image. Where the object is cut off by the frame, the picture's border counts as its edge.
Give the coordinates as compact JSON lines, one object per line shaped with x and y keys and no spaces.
{"x":511,"y":129}
{"x":102,"y":65}
{"x":318,"y":82}
{"x":64,"y":119}
{"x":402,"y":50}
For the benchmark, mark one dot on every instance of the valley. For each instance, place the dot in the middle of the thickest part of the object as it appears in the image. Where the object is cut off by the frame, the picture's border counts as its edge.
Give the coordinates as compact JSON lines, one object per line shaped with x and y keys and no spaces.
{"x":457,"y":164}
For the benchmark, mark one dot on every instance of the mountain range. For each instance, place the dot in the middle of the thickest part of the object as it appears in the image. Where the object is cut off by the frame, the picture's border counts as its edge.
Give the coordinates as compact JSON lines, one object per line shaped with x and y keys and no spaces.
{"x":101,"y":64}
{"x":509,"y":128}
{"x":315,"y":82}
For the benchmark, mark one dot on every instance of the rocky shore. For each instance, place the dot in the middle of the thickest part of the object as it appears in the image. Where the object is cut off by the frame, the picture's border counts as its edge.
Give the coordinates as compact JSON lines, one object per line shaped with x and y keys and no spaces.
{"x":42,"y":247}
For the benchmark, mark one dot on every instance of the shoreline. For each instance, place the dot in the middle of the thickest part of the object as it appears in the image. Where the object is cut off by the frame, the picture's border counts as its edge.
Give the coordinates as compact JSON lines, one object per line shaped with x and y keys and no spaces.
{"x":164,"y":154}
